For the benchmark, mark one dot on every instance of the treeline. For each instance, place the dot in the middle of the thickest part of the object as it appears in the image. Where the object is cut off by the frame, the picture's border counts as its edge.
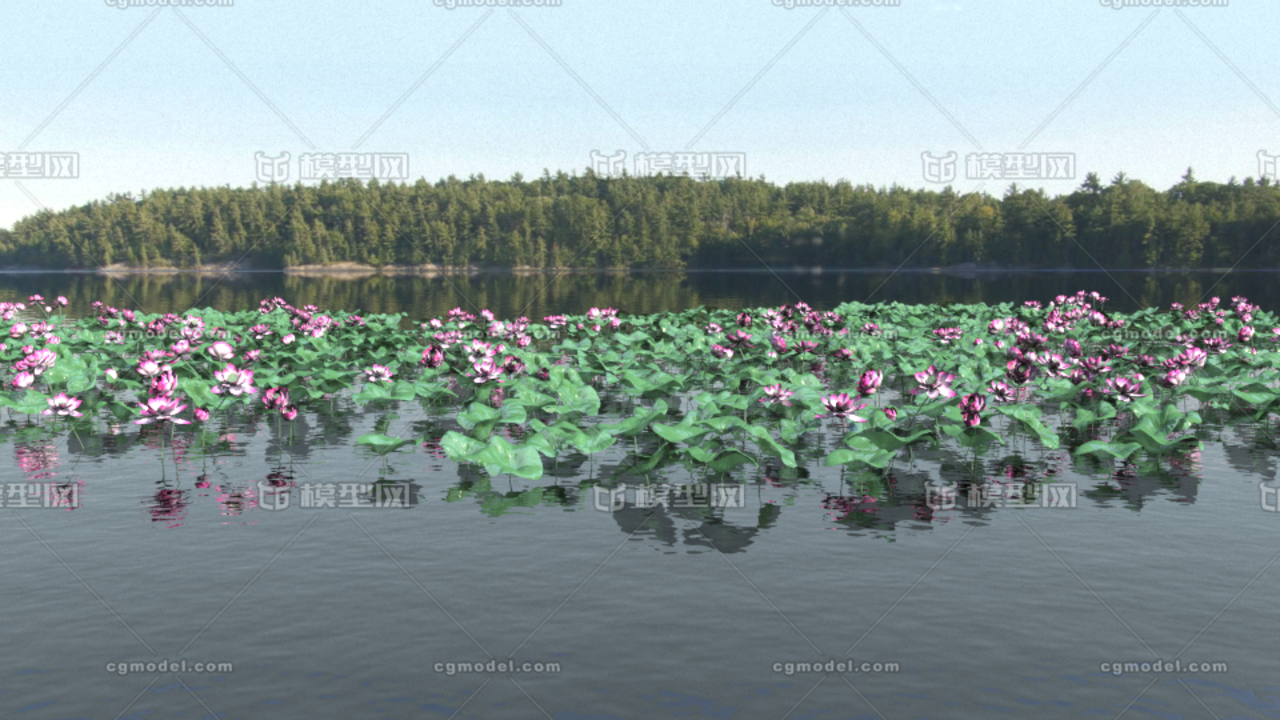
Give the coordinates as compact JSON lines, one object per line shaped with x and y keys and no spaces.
{"x":589,"y":221}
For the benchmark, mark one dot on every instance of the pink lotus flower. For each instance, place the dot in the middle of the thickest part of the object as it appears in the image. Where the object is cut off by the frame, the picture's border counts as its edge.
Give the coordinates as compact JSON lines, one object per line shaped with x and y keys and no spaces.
{"x":160,"y":409}
{"x":1073,"y":348}
{"x":62,"y":301}
{"x":1245,"y":334}
{"x":779,"y":344}
{"x":1126,"y":390}
{"x":891,"y":413}
{"x":202,"y":415}
{"x":113,"y":338}
{"x":721,"y":352}
{"x":1019,"y":373}
{"x":744,"y":320}
{"x":1000,"y":391}
{"x":221,"y":351}
{"x":1174,"y":378}
{"x":111,"y":374}
{"x":776,"y":394}
{"x":39,"y":361}
{"x":806,"y":346}
{"x":378,"y":373}
{"x":871,"y":329}
{"x":289,"y":412}
{"x":62,"y":406}
{"x":934,"y":383}
{"x":970,"y":406}
{"x":512,"y":365}
{"x":948,"y":335}
{"x":433,"y":357}
{"x":739,"y":340}
{"x":287,"y":339}
{"x":487,"y":370}
{"x":870,"y":382}
{"x":164,"y":383}
{"x":236,"y":382}
{"x":149,"y":368}
{"x":276,"y":398}
{"x":842,"y":406}
{"x":843,"y":354}
{"x":23,"y":380}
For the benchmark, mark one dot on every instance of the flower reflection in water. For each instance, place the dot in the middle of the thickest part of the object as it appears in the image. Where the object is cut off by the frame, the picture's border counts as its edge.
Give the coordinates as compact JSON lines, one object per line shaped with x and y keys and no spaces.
{"x":169,"y":505}
{"x":37,"y":460}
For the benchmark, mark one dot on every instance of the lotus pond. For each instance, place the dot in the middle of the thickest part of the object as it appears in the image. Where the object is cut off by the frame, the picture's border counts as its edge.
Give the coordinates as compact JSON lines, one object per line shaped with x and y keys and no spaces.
{"x":501,"y":447}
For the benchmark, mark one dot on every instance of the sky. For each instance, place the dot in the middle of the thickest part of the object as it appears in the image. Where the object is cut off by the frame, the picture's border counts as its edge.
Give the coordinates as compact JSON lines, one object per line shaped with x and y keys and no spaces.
{"x":101,"y":97}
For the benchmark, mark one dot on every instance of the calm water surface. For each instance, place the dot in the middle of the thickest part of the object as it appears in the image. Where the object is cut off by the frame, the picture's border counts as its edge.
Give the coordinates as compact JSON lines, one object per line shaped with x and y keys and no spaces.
{"x":996,"y":609}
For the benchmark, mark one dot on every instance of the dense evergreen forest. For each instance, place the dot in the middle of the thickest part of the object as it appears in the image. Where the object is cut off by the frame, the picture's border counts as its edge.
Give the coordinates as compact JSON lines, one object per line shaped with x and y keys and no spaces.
{"x":589,"y":221}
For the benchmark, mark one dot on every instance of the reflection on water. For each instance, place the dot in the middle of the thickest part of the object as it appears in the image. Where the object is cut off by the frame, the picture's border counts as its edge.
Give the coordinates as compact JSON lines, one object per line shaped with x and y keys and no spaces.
{"x":511,"y":295}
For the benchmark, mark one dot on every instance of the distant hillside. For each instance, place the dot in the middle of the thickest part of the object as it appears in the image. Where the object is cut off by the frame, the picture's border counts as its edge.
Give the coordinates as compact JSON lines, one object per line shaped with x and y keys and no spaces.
{"x":587,"y":221}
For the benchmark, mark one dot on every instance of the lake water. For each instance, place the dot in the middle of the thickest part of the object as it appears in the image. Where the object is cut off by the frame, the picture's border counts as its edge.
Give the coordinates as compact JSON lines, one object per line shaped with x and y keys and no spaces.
{"x":1004,"y":608}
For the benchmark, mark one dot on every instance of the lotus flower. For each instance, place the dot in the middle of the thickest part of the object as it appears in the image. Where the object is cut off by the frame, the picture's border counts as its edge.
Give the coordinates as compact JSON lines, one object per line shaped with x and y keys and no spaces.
{"x":891,"y":413}
{"x":236,"y":382}
{"x":39,"y":361}
{"x":739,"y":339}
{"x":201,"y":414}
{"x":1018,"y":373}
{"x":23,"y":380}
{"x":289,"y":412}
{"x":722,"y":352}
{"x":164,"y":383}
{"x":776,"y":394}
{"x":870,"y":382}
{"x":744,"y":320}
{"x":934,"y":383}
{"x":1174,"y":378}
{"x":149,"y":368}
{"x":433,"y":357}
{"x":62,"y":406}
{"x":276,"y":398}
{"x":1000,"y":391}
{"x":779,"y":344}
{"x":842,"y":406}
{"x":543,"y":374}
{"x":159,"y":409}
{"x":512,"y":365}
{"x":970,"y":406}
{"x":1245,"y":334}
{"x":378,"y":373}
{"x":487,"y":370}
{"x":221,"y":351}
{"x":1126,"y":390}
{"x":871,"y":329}
{"x":1073,"y":348}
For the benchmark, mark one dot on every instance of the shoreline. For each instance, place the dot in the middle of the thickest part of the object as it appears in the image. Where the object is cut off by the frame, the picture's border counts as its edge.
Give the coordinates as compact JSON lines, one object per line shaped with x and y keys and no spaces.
{"x":357,"y":270}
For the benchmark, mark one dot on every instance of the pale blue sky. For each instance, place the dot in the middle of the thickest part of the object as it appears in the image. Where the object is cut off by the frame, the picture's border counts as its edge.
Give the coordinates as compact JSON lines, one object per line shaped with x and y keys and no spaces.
{"x":859,"y":94}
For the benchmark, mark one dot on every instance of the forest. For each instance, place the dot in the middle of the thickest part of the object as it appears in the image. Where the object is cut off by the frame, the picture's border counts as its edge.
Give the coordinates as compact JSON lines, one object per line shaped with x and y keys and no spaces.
{"x":658,"y":222}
